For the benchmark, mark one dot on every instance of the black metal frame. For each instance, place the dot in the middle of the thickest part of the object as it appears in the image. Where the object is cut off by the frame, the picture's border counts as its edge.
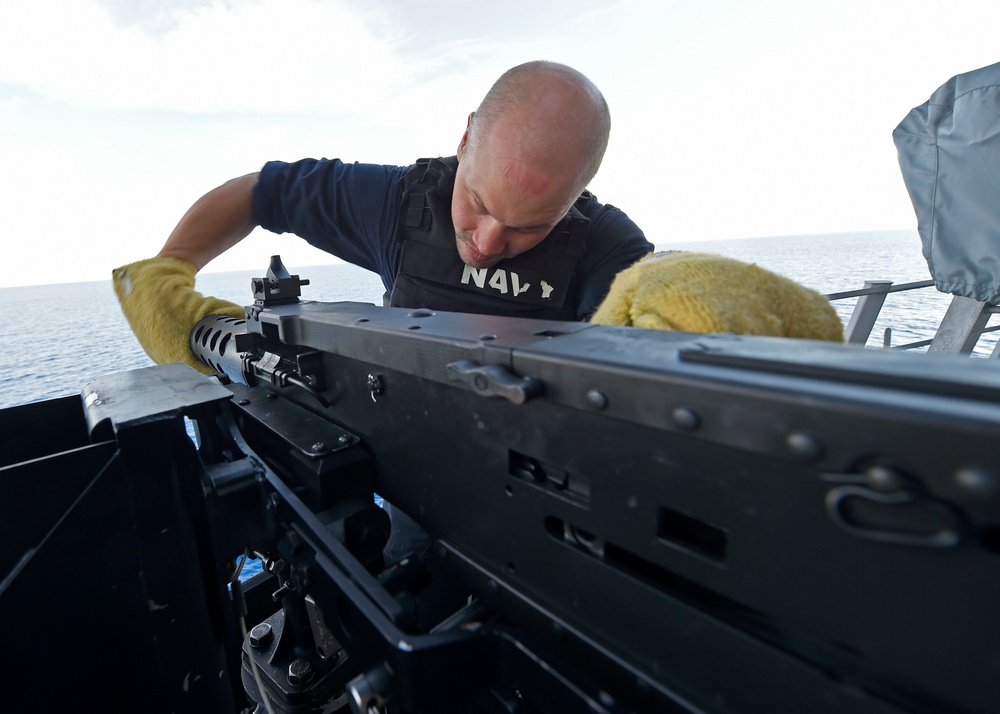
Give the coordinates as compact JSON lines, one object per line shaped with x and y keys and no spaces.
{"x":616,"y":520}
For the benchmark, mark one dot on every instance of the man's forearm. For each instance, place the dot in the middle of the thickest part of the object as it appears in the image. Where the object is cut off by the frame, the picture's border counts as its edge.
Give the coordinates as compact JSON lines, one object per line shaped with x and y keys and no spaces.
{"x":215,"y":223}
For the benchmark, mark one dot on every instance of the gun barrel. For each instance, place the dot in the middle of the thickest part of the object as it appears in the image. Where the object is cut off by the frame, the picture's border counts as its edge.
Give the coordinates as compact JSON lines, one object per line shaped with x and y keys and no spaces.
{"x":215,"y":340}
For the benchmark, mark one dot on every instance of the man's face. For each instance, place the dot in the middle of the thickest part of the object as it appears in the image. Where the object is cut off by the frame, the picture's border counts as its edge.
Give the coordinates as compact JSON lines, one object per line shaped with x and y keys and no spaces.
{"x":503,"y":204}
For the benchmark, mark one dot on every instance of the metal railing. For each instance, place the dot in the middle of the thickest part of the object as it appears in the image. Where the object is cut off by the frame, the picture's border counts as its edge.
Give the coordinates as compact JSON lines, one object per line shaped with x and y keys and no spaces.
{"x":961,"y":327}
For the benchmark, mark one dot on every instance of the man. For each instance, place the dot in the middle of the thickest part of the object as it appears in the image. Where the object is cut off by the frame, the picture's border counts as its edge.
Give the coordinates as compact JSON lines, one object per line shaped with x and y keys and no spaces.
{"x":504,"y":227}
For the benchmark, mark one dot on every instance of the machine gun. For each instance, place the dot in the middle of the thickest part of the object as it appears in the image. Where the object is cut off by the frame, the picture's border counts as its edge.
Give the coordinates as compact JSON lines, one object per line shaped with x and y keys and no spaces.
{"x":583,"y":519}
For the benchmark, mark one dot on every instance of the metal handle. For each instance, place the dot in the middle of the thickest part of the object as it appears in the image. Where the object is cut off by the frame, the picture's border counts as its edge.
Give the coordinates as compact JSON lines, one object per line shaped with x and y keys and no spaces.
{"x":902,"y":518}
{"x":493,"y":380}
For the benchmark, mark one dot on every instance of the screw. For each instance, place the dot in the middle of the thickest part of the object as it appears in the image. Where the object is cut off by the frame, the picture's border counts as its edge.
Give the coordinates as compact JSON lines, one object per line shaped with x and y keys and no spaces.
{"x":300,"y":671}
{"x":261,"y":635}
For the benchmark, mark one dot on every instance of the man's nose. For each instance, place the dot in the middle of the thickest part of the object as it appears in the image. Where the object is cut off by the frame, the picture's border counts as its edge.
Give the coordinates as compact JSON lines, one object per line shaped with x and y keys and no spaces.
{"x":490,"y":236}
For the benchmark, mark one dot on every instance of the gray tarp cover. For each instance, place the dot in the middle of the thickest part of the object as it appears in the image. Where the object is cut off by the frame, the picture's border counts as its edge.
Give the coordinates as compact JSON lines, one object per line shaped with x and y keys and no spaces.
{"x":949,"y":153}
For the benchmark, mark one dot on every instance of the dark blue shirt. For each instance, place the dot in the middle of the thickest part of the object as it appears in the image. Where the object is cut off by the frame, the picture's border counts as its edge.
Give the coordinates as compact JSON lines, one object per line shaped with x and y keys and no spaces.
{"x":351,"y":211}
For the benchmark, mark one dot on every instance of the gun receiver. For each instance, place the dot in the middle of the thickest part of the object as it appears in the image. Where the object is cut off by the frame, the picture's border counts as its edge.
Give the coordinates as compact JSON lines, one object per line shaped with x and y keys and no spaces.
{"x":578,"y":519}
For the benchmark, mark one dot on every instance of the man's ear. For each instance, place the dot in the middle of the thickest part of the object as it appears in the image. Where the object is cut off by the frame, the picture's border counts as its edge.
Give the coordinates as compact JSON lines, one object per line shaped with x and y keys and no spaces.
{"x":465,"y":137}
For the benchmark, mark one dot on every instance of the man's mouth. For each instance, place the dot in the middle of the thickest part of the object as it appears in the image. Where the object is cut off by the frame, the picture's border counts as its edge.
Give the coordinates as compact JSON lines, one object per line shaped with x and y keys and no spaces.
{"x":476,"y":255}
{"x":475,"y":258}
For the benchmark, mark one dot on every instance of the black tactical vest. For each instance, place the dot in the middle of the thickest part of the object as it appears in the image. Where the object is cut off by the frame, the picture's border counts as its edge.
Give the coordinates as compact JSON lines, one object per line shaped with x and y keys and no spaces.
{"x":540,"y":283}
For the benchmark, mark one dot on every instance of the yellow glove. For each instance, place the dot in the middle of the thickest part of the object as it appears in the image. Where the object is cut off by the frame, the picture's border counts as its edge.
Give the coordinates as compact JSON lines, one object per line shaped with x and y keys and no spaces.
{"x":158,"y":298}
{"x":698,"y":292}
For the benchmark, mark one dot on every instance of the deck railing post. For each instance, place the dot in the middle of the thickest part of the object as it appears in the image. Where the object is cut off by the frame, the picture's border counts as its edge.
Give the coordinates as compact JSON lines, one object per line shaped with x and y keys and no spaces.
{"x":961,"y":326}
{"x":866,"y":311}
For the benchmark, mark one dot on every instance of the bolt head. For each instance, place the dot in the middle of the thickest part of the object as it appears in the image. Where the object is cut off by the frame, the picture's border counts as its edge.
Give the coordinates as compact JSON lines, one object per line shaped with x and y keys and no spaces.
{"x":300,"y":672}
{"x":261,"y":635}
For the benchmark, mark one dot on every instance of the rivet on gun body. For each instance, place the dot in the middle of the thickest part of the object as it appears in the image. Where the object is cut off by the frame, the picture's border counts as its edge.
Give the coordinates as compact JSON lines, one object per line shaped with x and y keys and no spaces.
{"x":597,"y":399}
{"x":686,"y":419}
{"x":978,"y":480}
{"x":884,"y":479}
{"x":804,"y":445}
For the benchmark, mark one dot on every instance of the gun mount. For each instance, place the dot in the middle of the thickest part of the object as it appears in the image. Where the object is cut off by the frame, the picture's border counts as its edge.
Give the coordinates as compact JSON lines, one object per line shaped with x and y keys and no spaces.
{"x":583,"y":519}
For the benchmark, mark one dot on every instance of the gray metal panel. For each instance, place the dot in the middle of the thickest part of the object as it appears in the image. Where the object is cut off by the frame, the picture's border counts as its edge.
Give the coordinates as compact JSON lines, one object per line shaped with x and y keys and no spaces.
{"x":126,"y":398}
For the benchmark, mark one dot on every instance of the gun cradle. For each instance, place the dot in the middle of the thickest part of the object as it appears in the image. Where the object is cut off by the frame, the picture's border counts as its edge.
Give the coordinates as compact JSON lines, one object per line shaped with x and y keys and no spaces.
{"x":605,"y":520}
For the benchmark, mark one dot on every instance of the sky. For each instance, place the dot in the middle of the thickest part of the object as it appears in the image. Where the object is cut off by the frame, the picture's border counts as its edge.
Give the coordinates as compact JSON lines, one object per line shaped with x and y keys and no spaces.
{"x":730,"y":119}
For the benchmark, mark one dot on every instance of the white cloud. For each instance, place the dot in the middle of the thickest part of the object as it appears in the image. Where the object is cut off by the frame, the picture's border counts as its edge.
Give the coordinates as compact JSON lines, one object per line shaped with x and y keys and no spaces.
{"x":259,"y":56}
{"x":730,"y":119}
{"x":154,"y":17}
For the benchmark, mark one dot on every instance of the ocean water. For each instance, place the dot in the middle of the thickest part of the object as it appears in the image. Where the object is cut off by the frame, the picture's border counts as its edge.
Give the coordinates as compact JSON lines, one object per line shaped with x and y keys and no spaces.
{"x":834,"y":263}
{"x":58,"y":338}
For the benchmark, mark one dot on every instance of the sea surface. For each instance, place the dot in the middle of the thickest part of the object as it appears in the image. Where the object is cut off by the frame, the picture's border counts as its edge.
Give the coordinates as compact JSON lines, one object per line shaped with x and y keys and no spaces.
{"x":58,"y":338}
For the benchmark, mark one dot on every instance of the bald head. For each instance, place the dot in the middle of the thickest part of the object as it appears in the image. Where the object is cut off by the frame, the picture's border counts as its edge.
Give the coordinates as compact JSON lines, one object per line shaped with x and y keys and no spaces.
{"x":552,"y":113}
{"x":528,"y":152}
